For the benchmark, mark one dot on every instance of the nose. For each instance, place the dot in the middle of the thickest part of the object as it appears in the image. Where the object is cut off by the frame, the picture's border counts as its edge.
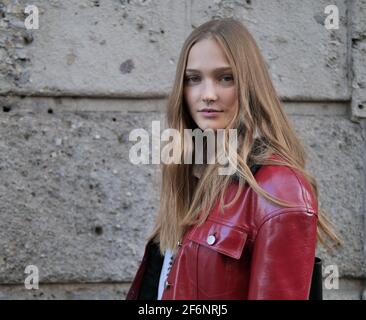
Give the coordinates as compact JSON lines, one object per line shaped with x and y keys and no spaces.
{"x":209,"y":92}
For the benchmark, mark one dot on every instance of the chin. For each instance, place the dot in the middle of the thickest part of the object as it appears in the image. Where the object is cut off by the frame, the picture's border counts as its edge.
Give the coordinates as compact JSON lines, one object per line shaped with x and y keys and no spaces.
{"x":210,"y":126}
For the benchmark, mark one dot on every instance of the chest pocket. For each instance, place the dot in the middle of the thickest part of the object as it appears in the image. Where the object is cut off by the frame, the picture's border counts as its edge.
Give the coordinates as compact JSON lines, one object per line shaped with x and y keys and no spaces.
{"x":218,"y":236}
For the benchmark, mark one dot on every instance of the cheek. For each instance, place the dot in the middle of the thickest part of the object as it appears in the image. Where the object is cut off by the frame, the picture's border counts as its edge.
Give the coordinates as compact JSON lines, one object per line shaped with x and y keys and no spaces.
{"x":230,"y":98}
{"x":189,"y":97}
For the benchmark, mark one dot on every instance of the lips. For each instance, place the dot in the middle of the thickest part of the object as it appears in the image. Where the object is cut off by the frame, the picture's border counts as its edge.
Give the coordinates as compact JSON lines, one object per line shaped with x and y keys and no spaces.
{"x":210,"y":113}
{"x":209,"y":110}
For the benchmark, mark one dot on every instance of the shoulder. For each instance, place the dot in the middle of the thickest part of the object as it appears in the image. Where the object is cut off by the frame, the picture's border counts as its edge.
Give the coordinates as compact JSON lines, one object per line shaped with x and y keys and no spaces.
{"x":286,"y":184}
{"x":281,"y":182}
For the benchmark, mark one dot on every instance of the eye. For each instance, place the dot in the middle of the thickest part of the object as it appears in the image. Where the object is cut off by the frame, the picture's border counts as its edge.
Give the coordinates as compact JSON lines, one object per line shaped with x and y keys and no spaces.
{"x":227,"y":78}
{"x":192,"y":79}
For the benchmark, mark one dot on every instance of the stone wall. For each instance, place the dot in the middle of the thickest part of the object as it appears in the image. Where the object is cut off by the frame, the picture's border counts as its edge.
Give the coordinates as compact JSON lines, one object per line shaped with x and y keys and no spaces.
{"x":71,"y":202}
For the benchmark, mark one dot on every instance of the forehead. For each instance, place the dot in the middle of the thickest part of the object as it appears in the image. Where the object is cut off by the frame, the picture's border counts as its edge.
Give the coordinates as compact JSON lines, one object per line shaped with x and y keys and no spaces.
{"x":206,"y":55}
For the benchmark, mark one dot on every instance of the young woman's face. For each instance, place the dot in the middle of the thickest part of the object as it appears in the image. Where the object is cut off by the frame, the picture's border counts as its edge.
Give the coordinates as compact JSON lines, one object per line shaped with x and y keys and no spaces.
{"x":209,"y":89}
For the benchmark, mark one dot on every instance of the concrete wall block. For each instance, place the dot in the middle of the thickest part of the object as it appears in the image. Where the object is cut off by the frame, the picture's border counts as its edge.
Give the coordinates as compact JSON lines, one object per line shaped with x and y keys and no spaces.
{"x":131,"y":47}
{"x":71,"y":201}
{"x":14,"y":39}
{"x":77,"y":208}
{"x":306,"y":61}
{"x":358,"y":66}
{"x":71,"y":291}
{"x":335,"y":147}
{"x":348,"y":289}
{"x":102,"y":47}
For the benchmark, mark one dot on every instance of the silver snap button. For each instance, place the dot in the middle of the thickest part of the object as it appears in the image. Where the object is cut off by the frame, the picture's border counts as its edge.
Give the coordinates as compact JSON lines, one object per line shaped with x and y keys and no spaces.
{"x":211,"y":239}
{"x":167,"y":284}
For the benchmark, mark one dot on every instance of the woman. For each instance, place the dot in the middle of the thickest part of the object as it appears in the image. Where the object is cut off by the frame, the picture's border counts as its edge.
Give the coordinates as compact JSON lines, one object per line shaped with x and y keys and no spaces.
{"x":250,"y":235}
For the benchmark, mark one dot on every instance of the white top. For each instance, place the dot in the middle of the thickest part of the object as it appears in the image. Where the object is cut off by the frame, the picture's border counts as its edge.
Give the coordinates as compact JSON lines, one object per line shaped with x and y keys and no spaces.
{"x":167,"y":264}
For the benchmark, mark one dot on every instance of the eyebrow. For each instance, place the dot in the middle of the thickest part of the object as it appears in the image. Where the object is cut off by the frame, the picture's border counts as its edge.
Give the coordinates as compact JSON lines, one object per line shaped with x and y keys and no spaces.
{"x":215,"y":70}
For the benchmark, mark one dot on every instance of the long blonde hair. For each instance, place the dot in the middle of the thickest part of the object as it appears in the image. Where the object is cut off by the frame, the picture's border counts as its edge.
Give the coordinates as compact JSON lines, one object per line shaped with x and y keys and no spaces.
{"x":185,"y":202}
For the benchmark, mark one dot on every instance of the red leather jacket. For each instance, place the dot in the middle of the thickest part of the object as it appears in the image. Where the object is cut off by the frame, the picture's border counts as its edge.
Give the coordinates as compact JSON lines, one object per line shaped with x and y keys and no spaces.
{"x":256,"y":250}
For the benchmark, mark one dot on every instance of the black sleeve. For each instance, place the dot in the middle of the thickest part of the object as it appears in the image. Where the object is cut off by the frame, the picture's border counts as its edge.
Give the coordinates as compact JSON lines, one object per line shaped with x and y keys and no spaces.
{"x":150,"y":280}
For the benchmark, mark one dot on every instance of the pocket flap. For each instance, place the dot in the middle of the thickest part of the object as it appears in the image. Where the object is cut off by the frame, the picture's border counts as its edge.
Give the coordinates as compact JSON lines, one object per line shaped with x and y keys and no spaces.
{"x":220,"y":237}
